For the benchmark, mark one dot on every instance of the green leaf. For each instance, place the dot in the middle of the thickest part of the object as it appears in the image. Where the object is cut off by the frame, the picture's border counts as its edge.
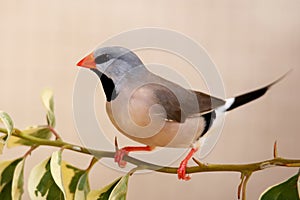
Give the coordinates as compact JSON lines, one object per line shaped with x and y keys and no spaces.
{"x":36,"y":131}
{"x":11,"y":179}
{"x":47,"y":98}
{"x":8,"y":123}
{"x":117,"y":190}
{"x":284,"y":191}
{"x":2,"y":142}
{"x":298,"y":184}
{"x":41,"y":184}
{"x":75,"y":182}
{"x":104,"y":192}
{"x":54,"y":178}
{"x":18,"y":181}
{"x":82,"y":188}
{"x":55,"y":168}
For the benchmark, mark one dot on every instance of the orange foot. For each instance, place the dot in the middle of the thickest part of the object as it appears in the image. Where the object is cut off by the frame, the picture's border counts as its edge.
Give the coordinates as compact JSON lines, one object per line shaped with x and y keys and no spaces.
{"x":181,"y":171}
{"x":120,"y":153}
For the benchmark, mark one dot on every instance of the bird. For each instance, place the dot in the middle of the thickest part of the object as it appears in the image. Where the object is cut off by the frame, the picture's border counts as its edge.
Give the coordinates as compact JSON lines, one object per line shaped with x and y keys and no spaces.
{"x":154,"y":111}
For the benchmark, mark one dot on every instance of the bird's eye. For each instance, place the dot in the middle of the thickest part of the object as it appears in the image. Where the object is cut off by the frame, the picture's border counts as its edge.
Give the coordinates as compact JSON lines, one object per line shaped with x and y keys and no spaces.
{"x":102,"y":59}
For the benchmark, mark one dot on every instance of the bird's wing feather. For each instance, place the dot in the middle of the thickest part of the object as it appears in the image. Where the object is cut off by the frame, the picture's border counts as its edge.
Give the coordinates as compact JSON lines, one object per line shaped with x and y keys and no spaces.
{"x":180,"y":103}
{"x":208,"y":103}
{"x":168,"y":100}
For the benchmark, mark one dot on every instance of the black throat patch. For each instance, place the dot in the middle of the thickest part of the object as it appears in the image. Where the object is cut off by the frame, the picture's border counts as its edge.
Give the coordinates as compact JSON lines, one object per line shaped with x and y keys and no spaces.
{"x":107,"y":85}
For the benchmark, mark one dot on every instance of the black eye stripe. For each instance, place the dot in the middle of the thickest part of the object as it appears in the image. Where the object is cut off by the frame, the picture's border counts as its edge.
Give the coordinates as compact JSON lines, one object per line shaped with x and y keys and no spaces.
{"x":102,"y":59}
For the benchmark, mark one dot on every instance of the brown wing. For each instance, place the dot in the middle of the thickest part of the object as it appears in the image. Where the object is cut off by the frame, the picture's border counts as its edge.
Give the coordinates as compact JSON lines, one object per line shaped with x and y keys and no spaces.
{"x":166,"y":98}
{"x":178,"y":102}
{"x":208,"y":103}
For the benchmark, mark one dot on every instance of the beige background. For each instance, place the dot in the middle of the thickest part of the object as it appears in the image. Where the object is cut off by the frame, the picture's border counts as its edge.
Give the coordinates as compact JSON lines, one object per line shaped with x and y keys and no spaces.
{"x":251,"y":42}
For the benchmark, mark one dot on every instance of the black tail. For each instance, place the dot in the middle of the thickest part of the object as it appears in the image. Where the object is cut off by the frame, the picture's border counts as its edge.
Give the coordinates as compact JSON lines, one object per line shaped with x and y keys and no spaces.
{"x":250,"y":96}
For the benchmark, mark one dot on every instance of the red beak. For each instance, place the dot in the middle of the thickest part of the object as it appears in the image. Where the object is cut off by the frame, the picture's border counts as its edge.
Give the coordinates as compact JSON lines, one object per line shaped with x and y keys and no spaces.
{"x":88,"y":61}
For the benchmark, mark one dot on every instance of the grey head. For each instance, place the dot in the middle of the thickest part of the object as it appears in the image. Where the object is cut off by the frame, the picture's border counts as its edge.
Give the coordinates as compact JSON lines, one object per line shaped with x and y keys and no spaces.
{"x":115,"y":61}
{"x":112,"y":64}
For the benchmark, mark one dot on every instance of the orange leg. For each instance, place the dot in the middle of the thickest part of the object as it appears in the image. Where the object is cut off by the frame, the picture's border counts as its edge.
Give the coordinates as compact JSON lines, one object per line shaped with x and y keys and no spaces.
{"x":120,"y":153}
{"x":181,"y":172}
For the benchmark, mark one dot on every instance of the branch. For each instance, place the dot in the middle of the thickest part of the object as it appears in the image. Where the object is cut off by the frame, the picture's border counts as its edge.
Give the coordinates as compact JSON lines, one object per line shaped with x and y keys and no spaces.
{"x":245,"y":169}
{"x":251,"y":167}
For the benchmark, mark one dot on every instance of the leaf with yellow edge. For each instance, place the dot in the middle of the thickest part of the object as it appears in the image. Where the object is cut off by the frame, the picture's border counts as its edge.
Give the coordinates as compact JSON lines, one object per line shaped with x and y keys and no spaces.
{"x":117,"y":190}
{"x":9,"y":126}
{"x":283,"y":191}
{"x":7,"y":121}
{"x":56,"y":172}
{"x":36,"y":131}
{"x":18,"y":181}
{"x":47,"y":98}
{"x":11,"y":179}
{"x":41,"y":184}
{"x":5,"y":191}
{"x":2,"y":142}
{"x":56,"y":178}
{"x":75,"y":182}
{"x":104,"y":193}
{"x":82,"y":188}
{"x":298,"y":186}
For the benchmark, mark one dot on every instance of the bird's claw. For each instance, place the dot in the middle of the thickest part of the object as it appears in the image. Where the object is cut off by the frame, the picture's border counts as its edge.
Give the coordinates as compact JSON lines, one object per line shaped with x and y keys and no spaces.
{"x":181,"y":172}
{"x":120,"y":153}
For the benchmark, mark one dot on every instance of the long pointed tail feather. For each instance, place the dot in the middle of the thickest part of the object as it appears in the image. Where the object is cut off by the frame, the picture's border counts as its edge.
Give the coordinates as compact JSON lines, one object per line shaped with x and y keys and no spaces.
{"x":240,"y":100}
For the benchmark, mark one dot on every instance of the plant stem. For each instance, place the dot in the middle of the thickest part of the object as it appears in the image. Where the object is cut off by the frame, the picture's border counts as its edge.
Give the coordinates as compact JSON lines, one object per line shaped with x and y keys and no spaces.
{"x":242,"y":168}
{"x":245,"y":169}
{"x":57,"y":137}
{"x":93,"y":161}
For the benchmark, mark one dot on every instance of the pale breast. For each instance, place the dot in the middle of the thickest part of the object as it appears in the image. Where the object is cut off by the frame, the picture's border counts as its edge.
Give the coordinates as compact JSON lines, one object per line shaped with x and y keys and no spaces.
{"x":143,"y":120}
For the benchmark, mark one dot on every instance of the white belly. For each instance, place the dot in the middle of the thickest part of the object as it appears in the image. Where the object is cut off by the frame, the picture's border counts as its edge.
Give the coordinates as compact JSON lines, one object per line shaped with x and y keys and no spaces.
{"x":136,"y":124}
